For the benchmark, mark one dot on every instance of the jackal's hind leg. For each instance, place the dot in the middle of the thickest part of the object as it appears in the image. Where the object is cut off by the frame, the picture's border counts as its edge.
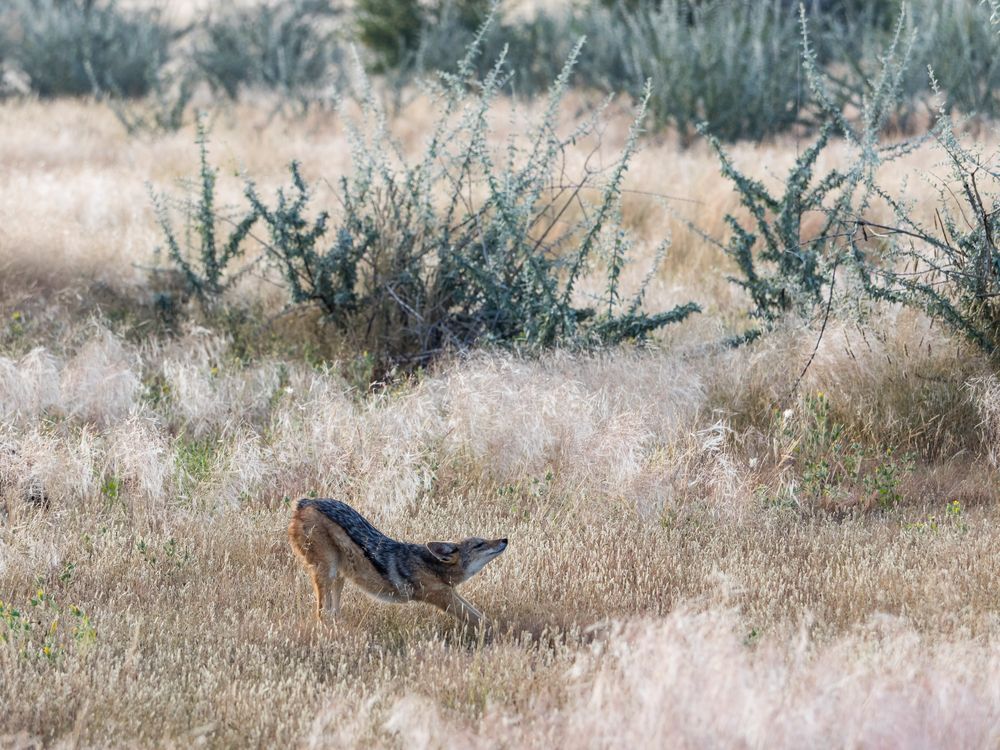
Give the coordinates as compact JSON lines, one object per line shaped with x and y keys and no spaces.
{"x":321,"y":585}
{"x":328,"y":585}
{"x":333,"y":595}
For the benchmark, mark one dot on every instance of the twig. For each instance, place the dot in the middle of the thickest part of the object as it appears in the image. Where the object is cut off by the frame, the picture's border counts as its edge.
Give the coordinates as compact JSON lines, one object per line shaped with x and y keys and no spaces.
{"x":822,"y":330}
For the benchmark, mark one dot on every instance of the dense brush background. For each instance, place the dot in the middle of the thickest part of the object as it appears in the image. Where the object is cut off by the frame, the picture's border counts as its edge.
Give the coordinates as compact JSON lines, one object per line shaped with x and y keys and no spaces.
{"x":707,"y":546}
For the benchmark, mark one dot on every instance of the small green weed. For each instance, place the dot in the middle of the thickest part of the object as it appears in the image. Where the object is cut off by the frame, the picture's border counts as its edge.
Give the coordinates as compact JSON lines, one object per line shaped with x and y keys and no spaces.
{"x":67,"y":572}
{"x":195,"y":459}
{"x":15,"y":327}
{"x":170,"y":554}
{"x":830,"y":468}
{"x":111,"y":488}
{"x":157,"y":390}
{"x":44,"y":629}
{"x":883,"y":481}
{"x":522,"y":495}
{"x":953,"y":518}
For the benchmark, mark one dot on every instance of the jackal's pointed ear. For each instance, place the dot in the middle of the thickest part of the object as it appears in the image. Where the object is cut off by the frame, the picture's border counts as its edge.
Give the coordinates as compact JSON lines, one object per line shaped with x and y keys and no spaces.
{"x":446,"y":552}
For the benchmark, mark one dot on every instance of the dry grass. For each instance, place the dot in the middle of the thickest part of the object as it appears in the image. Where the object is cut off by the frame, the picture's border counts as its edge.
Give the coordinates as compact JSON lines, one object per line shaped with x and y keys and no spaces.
{"x":669,"y":581}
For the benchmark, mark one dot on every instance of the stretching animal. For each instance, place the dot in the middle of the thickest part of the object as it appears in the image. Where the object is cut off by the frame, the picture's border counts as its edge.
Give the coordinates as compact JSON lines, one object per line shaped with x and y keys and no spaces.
{"x":335,"y":543}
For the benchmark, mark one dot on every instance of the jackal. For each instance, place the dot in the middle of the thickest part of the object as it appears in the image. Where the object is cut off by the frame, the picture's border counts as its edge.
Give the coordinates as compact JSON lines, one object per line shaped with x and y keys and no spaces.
{"x":336,"y":543}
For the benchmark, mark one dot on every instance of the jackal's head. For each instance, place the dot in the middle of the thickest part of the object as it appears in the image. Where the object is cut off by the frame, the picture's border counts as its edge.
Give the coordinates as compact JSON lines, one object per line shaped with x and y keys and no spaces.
{"x":462,"y":560}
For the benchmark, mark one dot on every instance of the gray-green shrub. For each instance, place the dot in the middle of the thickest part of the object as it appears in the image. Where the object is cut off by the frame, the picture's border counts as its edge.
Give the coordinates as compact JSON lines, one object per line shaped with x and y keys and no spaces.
{"x":729,"y":64}
{"x":202,"y":260}
{"x":956,"y":39}
{"x":415,"y":263}
{"x":953,"y":37}
{"x":951,"y":268}
{"x":289,"y":47}
{"x":781,"y":268}
{"x":71,"y":47}
{"x":407,"y":276}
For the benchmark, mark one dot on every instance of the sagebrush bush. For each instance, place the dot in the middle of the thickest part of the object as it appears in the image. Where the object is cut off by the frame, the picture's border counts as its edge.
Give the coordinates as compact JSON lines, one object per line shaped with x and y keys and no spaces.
{"x":730,"y":64}
{"x":949,"y":270}
{"x":72,"y":47}
{"x":165,"y":108}
{"x":954,"y":38}
{"x":734,"y":64}
{"x":727,"y":63}
{"x":958,"y":42}
{"x":780,"y":270}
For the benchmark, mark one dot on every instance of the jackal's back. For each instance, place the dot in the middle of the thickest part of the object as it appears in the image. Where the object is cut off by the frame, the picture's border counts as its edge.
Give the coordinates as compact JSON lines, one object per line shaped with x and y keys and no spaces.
{"x":356,"y":525}
{"x":385,"y":554}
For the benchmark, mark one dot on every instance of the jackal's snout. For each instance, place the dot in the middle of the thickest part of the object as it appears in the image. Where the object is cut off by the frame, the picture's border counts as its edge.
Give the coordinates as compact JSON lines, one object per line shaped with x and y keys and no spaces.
{"x":494,"y":548}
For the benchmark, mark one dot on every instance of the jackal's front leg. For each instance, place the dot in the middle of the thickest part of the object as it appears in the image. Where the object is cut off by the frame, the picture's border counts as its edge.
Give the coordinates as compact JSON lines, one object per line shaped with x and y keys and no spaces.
{"x":458,"y":608}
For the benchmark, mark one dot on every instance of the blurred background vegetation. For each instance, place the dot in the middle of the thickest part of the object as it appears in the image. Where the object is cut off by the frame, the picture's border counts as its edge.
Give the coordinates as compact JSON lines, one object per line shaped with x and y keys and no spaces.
{"x":727,"y":62}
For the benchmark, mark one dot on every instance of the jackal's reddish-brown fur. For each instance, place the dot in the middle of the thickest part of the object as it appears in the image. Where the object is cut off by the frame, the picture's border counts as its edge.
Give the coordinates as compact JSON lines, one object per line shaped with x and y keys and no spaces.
{"x":336,"y":543}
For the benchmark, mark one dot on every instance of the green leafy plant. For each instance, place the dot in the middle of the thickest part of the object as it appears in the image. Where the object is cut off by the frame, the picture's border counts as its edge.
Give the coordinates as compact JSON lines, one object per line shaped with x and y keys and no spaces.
{"x":111,"y":488}
{"x":821,"y":450}
{"x":952,"y":518}
{"x":830,"y":469}
{"x":196,"y":458}
{"x":883,"y":481}
{"x":171,"y":555}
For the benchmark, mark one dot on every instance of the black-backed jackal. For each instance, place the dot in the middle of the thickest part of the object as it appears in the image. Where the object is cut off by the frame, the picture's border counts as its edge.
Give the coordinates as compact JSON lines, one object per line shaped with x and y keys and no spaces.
{"x":337,"y":543}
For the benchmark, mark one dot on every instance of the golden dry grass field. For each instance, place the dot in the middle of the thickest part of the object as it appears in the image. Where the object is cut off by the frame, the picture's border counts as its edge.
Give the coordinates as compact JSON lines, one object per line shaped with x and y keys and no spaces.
{"x":672,"y":579}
